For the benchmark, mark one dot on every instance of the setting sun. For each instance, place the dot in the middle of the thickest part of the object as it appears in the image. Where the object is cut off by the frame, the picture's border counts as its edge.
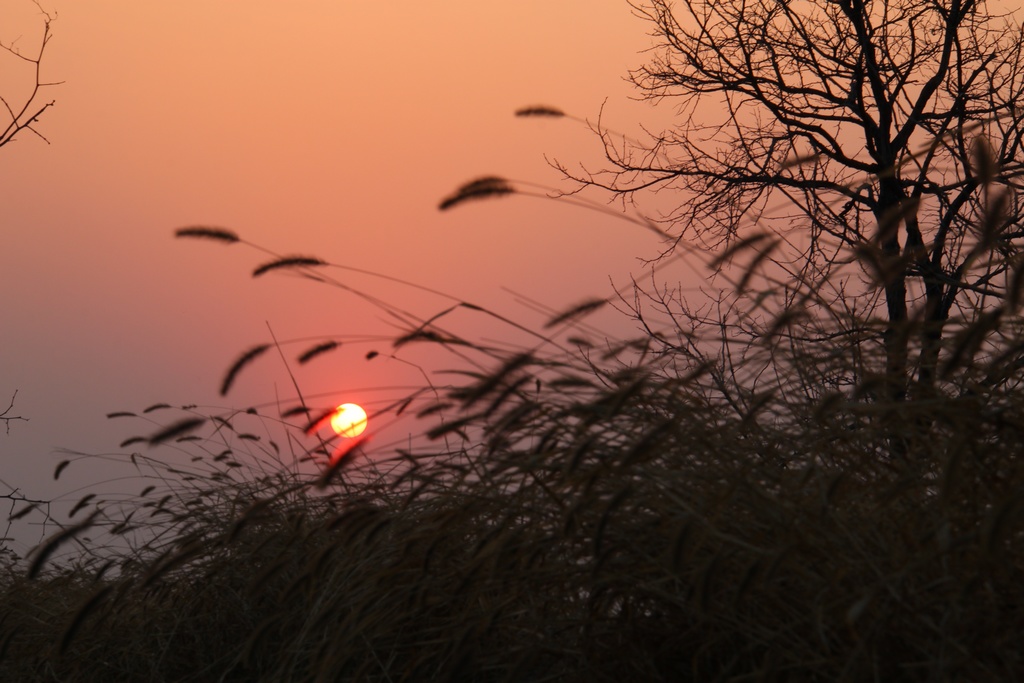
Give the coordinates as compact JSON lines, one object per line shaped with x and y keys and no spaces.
{"x":349,"y":420}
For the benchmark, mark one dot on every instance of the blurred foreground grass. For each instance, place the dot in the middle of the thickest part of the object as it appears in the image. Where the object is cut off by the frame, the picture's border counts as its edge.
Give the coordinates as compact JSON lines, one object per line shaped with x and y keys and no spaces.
{"x":599,"y":511}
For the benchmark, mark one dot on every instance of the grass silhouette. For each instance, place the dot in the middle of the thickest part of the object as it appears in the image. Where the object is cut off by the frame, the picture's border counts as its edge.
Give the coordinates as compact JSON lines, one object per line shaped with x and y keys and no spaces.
{"x":698,"y":503}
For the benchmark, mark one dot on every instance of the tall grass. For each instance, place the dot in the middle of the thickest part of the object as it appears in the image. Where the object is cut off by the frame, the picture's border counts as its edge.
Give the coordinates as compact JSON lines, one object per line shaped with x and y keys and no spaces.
{"x":698,"y":503}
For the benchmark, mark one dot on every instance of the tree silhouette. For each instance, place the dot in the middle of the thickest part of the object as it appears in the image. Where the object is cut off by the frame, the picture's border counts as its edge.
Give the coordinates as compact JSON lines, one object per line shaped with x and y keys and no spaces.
{"x":7,"y":418}
{"x":23,"y":112}
{"x":24,"y":109}
{"x":879,"y":142}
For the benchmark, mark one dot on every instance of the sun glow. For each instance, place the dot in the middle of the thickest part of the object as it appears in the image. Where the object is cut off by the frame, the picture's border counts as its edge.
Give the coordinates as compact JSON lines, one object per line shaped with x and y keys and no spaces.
{"x":349,"y":420}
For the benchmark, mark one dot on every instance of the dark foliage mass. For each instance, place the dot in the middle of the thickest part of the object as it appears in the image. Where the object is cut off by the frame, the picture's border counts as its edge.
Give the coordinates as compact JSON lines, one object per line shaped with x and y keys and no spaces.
{"x":618,"y":526}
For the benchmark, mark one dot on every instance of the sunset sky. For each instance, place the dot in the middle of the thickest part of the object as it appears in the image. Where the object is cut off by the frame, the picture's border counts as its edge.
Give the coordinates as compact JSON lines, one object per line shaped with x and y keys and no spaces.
{"x":317,"y":127}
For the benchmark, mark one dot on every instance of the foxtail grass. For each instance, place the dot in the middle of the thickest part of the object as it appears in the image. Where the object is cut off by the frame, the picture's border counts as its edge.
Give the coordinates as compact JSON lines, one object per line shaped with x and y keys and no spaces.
{"x":714,"y":499}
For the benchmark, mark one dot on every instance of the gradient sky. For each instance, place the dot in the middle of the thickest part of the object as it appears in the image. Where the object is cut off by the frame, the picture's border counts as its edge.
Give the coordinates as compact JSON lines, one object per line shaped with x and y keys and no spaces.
{"x":322,"y":127}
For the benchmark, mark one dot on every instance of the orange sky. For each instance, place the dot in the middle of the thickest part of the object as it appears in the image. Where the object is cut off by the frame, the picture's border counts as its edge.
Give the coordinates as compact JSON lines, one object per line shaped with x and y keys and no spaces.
{"x":310,"y":126}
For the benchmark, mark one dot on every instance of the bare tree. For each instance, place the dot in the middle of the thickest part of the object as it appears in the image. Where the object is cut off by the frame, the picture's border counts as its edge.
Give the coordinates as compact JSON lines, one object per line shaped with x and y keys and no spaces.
{"x":24,"y":110}
{"x":7,"y":418}
{"x":886,"y":135}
